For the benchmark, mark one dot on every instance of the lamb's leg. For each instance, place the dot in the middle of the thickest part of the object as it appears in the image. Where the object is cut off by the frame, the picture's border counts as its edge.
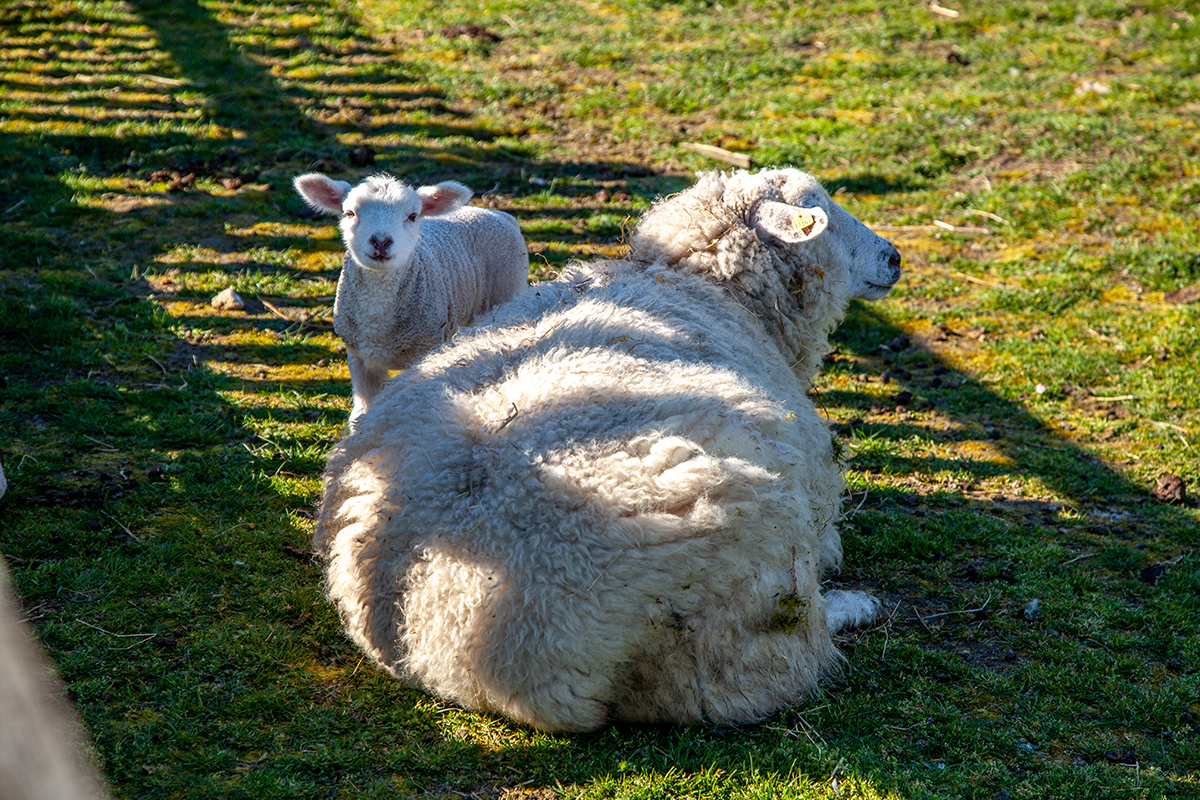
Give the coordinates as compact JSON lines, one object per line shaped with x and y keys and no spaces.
{"x":365,"y":383}
{"x":850,"y":609}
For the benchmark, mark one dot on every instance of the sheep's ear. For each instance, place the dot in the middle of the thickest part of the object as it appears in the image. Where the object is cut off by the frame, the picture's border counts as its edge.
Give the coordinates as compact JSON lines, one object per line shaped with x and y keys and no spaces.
{"x":790,"y":224}
{"x":321,"y":192}
{"x":442,"y":198}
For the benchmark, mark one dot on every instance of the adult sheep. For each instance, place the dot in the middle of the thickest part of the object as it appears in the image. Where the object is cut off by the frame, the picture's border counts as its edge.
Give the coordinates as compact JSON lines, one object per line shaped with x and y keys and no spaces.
{"x":419,"y":264}
{"x":615,"y":500}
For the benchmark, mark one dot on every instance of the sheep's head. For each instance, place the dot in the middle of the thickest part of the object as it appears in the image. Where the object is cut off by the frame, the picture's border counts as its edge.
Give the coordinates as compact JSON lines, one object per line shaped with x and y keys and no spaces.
{"x":732,"y":227}
{"x":792,"y":211}
{"x":381,"y":217}
{"x":777,"y":240}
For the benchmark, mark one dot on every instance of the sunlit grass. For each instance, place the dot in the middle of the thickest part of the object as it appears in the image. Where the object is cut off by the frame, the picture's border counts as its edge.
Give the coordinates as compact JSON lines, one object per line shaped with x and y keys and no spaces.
{"x":1035,"y":163}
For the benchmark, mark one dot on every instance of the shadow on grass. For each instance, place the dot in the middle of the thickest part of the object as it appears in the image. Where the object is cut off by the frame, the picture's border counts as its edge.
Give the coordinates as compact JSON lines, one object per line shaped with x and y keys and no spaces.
{"x":246,"y":658}
{"x":157,"y":516}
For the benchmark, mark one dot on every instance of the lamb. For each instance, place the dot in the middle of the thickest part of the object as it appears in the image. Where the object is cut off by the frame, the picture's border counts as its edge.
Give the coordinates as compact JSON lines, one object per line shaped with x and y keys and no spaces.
{"x":614,"y":501}
{"x":419,"y":264}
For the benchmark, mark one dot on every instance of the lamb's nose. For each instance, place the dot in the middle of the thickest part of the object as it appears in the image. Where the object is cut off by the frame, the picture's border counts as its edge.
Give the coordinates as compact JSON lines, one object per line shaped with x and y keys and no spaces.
{"x":380,"y":242}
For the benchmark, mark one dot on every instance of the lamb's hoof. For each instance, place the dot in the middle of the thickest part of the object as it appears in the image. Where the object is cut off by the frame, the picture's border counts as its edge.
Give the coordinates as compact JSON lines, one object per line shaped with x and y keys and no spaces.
{"x":850,"y":609}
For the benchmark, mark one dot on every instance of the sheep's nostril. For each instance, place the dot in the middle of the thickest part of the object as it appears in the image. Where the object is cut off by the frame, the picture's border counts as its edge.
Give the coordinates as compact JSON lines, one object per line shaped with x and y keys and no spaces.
{"x":894,"y":264}
{"x":381,"y":242}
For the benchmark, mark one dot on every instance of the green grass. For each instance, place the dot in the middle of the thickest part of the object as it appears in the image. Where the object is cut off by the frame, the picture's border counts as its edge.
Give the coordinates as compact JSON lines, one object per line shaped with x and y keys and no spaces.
{"x":165,"y":457}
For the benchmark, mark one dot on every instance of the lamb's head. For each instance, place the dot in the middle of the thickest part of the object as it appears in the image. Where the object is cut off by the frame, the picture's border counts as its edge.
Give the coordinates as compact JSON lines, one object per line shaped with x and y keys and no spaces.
{"x":381,"y":217}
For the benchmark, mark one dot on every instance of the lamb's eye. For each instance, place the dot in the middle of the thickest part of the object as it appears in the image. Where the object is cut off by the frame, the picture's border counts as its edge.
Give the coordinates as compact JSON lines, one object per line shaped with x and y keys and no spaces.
{"x":412,"y":217}
{"x":348,"y":213}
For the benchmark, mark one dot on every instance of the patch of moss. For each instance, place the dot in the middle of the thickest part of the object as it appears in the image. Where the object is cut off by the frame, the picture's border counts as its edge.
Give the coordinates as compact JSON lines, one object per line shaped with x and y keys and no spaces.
{"x":791,"y":616}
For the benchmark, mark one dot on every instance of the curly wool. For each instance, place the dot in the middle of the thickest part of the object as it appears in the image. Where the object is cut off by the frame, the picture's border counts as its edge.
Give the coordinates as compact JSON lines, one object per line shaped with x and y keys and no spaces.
{"x":612,"y":501}
{"x":707,"y":229}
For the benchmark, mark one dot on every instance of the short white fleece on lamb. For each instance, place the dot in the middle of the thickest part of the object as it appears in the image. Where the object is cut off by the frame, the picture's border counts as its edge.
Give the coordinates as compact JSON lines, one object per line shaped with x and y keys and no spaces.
{"x":418,"y":265}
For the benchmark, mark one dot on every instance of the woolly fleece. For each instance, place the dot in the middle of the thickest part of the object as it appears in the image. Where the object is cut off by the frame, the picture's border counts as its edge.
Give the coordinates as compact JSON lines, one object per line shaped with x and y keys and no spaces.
{"x":614,"y":500}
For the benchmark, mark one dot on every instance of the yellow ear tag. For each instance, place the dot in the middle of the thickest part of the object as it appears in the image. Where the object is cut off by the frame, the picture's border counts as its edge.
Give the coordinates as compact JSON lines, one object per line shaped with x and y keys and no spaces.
{"x":804,"y":221}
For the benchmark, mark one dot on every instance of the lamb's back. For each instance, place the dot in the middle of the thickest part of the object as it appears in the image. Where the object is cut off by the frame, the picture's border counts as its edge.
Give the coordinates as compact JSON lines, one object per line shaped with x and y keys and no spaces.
{"x":480,"y":256}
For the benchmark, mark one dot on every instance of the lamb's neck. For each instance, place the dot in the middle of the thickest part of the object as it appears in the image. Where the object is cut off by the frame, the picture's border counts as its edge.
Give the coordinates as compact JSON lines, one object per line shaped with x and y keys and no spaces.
{"x":377,"y":313}
{"x":380,"y":294}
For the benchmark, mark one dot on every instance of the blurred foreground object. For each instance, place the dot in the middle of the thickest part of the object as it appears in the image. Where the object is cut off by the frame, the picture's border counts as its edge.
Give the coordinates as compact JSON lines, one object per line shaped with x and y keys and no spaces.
{"x":43,"y":750}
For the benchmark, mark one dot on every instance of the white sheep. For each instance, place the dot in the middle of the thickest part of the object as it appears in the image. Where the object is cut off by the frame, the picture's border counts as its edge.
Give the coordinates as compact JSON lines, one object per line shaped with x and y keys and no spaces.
{"x":614,"y":501}
{"x":418,"y":265}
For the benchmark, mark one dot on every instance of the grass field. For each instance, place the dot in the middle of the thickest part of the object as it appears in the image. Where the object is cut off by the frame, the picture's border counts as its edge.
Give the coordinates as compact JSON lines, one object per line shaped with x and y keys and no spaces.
{"x":1006,"y":413}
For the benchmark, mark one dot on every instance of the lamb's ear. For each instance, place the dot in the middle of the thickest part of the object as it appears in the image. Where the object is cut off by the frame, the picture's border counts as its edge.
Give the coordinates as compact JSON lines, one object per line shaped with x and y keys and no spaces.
{"x":790,"y":224}
{"x":321,"y":192}
{"x":443,"y":197}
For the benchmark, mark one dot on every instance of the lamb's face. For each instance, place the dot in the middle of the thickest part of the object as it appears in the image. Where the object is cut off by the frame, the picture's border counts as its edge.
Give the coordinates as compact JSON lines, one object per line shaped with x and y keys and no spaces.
{"x":833,"y":239}
{"x":381,"y":217}
{"x":381,"y":223}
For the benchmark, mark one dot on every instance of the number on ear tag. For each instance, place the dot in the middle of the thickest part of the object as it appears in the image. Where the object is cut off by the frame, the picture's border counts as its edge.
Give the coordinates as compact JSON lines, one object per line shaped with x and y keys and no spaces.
{"x":804,"y":221}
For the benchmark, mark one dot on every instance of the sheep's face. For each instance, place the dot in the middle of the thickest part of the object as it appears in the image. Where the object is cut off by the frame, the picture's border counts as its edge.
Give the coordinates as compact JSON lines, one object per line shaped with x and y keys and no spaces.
{"x":381,"y":217}
{"x":381,"y":223}
{"x":797,"y":213}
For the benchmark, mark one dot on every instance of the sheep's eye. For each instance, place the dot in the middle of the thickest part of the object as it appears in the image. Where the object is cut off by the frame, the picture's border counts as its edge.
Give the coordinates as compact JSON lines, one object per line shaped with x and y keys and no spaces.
{"x":412,"y":217}
{"x":348,"y":213}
